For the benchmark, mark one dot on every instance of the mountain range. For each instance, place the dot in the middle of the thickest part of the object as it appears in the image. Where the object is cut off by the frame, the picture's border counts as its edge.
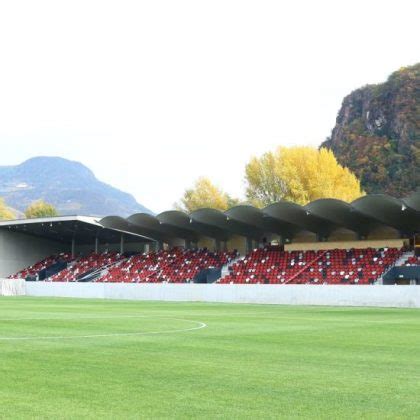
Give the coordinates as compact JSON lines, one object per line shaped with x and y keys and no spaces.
{"x":70,"y":186}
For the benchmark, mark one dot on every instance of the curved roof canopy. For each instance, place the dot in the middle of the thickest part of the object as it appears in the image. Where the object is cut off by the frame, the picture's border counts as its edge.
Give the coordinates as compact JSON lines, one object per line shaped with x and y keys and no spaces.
{"x":342,"y":214}
{"x":390,"y":211}
{"x":178,"y":221}
{"x":211,"y":222}
{"x":413,"y":200}
{"x":120,"y":224}
{"x":299,"y":216}
{"x":263,"y":221}
{"x":85,"y":230}
{"x":283,"y":218}
{"x":151,"y":226}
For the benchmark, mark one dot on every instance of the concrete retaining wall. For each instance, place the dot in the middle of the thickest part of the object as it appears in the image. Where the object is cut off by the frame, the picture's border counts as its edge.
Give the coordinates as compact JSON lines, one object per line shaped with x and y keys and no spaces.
{"x":382,"y":296}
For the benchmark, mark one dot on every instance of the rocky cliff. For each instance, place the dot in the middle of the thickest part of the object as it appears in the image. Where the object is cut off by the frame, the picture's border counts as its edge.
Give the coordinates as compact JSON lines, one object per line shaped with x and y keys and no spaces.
{"x":377,"y":134}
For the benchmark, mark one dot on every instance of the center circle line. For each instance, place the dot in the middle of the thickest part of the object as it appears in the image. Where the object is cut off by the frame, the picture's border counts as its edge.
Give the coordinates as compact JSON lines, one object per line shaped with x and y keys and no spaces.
{"x":199,"y":325}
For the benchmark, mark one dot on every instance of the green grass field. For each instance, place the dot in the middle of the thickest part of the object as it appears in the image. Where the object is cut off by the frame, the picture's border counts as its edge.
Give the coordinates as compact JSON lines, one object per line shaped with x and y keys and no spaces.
{"x":72,"y":358}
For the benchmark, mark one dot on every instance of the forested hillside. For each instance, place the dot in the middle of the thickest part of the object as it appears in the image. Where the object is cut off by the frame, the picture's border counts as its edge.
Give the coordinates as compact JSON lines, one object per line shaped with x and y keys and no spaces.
{"x":377,"y":134}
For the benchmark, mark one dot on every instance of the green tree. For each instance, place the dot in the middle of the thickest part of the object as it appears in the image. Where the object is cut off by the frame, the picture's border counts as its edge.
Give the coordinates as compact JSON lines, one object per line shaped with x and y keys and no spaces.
{"x":300,"y":175}
{"x":5,"y":213}
{"x":40,"y":209}
{"x":205,"y":194}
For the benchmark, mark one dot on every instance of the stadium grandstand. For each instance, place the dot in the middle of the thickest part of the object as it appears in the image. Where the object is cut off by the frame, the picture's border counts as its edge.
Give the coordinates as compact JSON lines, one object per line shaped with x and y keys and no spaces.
{"x":373,"y":240}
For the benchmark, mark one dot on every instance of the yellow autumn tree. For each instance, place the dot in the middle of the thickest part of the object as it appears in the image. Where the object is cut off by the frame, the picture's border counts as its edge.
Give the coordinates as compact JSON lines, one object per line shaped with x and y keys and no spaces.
{"x":5,"y":213}
{"x":300,"y":175}
{"x":40,"y":209}
{"x":205,"y":194}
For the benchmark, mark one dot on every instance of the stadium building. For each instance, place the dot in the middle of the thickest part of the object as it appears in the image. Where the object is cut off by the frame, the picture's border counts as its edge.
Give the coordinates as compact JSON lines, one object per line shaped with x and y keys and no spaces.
{"x":374,"y":240}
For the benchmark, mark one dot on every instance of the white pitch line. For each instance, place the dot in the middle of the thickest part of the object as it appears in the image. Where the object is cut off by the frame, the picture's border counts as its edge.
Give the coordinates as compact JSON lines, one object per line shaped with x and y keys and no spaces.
{"x":276,"y":315}
{"x":199,"y":326}
{"x":82,"y":318}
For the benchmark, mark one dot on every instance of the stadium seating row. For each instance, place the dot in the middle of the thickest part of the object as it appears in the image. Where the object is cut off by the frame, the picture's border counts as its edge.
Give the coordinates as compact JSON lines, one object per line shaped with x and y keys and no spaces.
{"x":84,"y":265}
{"x":34,"y":269}
{"x":269,"y":265}
{"x":338,"y":266}
{"x":175,"y":266}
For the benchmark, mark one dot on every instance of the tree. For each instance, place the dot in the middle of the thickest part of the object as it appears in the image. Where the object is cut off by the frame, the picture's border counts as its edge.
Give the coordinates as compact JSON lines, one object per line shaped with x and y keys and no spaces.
{"x":40,"y":209}
{"x":205,"y":194}
{"x":300,"y":175}
{"x":5,"y":213}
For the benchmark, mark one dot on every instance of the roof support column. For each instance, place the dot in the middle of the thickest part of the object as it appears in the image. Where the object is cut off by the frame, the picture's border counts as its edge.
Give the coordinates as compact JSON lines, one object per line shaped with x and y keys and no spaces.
{"x":122,"y":244}
{"x":73,"y":247}
{"x":321,"y":237}
{"x":249,"y":245}
{"x":361,"y":236}
{"x":217,"y":245}
{"x":187,"y":244}
{"x":96,"y":245}
{"x":146,"y":248}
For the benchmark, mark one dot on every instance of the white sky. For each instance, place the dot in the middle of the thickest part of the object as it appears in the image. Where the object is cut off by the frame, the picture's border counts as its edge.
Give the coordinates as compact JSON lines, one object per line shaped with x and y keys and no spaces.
{"x":152,"y":94}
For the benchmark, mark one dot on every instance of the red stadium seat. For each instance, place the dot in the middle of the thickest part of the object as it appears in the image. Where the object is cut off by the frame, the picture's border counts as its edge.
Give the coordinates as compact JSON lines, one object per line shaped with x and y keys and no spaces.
{"x":175,"y":266}
{"x":338,"y":266}
{"x":84,"y":265}
{"x":269,"y":265}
